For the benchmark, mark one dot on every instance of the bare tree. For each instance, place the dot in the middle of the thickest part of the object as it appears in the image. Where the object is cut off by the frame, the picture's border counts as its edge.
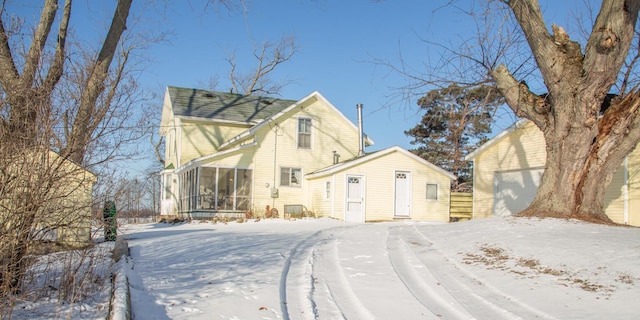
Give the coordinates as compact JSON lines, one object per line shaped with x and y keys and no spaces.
{"x":587,"y":133}
{"x":268,"y":57}
{"x":585,"y":142}
{"x":257,"y":81}
{"x":52,"y":100}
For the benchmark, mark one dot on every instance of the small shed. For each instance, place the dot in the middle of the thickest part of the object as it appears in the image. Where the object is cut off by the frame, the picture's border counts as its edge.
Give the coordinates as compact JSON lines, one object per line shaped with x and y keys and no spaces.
{"x":386,"y":185}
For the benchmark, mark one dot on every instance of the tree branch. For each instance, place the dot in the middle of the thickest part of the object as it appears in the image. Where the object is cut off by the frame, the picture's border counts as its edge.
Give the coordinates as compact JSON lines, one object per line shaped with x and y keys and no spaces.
{"x":543,"y":45}
{"x":8,"y":71}
{"x":39,"y":41}
{"x":56,"y":68}
{"x":520,"y":99}
{"x":609,"y":43}
{"x":96,"y":83}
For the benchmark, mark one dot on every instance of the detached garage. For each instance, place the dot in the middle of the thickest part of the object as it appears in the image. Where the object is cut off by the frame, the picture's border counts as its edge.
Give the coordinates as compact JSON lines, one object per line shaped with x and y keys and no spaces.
{"x":381,"y":186}
{"x":514,"y":190}
{"x":508,"y":168}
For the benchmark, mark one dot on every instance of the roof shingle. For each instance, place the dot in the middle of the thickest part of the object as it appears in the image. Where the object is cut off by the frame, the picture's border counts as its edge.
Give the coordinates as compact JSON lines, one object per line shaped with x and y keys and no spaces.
{"x":224,"y":106}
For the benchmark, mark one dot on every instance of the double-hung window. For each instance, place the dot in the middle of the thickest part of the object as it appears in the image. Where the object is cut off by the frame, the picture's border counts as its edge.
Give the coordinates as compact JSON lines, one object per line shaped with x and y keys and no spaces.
{"x":290,"y":177}
{"x":304,"y":133}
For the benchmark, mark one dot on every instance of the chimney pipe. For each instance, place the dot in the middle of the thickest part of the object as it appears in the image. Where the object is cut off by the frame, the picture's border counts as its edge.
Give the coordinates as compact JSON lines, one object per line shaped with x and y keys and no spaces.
{"x":360,"y":131}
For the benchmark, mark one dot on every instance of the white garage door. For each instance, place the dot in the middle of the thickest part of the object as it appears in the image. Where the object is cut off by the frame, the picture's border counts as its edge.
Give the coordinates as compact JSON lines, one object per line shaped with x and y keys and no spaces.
{"x":514,"y":190}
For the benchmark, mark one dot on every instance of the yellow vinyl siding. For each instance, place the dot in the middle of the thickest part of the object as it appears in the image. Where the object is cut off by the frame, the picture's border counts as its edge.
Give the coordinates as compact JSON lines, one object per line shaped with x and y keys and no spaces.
{"x":199,"y":139}
{"x":379,"y":176}
{"x":633,"y":173}
{"x":168,"y":127}
{"x":320,"y":205}
{"x":525,"y":148}
{"x":614,"y":196}
{"x":330,"y":132}
{"x":316,"y":198}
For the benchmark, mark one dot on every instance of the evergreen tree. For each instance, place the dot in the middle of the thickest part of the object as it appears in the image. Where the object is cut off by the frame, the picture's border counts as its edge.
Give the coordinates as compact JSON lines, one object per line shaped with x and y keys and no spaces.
{"x":456,"y":120}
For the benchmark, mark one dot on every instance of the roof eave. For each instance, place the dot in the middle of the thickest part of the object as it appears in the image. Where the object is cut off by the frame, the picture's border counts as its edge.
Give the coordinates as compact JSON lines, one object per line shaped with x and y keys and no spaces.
{"x":199,"y":161}
{"x":345,"y":165}
{"x":498,"y":137}
{"x":252,"y":131}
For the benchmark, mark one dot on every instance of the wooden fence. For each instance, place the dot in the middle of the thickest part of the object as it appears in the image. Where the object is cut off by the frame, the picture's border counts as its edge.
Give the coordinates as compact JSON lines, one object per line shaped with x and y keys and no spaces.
{"x":461,"y":206}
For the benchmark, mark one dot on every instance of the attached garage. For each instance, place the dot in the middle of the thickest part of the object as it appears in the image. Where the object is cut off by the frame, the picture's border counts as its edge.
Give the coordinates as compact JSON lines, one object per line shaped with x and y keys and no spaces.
{"x":381,"y":186}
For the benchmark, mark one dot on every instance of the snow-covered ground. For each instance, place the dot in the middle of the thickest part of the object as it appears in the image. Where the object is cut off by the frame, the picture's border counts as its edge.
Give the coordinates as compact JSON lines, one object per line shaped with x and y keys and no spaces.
{"x":497,"y":268}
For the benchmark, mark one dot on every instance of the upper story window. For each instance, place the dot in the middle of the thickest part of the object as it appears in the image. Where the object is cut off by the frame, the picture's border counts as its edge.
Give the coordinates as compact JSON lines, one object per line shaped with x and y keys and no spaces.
{"x":304,"y":133}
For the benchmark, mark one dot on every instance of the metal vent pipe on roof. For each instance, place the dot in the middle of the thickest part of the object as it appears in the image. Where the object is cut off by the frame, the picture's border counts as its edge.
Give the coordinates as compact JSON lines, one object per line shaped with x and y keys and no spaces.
{"x":360,"y":131}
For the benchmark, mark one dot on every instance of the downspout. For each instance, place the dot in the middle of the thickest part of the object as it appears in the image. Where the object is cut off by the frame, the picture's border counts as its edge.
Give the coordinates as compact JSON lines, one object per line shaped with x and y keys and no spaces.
{"x":275,"y":148}
{"x":625,"y":191}
{"x":360,"y":131}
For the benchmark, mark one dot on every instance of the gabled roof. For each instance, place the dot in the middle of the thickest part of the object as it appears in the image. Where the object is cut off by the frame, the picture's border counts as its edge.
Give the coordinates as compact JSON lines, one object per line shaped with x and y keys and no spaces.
{"x":519,"y":124}
{"x":368,"y":157}
{"x":274,"y":118}
{"x":216,"y":105}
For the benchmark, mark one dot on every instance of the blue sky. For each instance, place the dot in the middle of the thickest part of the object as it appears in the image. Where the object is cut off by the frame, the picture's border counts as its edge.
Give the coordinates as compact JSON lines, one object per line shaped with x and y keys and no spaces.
{"x":337,"y":42}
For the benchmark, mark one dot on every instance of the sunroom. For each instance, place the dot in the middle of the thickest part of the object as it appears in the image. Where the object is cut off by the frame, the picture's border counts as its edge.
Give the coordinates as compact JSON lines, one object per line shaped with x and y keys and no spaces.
{"x":207,"y":191}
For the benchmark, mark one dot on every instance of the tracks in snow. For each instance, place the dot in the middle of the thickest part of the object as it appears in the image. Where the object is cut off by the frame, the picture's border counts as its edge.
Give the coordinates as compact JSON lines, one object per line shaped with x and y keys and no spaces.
{"x":386,"y":271}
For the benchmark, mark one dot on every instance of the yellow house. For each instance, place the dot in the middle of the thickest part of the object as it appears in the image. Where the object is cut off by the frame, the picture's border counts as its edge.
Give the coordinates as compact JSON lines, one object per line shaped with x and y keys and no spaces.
{"x":71,"y":216}
{"x":49,"y":193}
{"x":228,"y":154}
{"x":507,"y":171}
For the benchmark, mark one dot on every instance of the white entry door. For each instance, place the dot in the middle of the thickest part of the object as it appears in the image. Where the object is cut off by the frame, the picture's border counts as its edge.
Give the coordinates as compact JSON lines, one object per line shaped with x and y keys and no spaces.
{"x":403,"y":194}
{"x":354,"y":206}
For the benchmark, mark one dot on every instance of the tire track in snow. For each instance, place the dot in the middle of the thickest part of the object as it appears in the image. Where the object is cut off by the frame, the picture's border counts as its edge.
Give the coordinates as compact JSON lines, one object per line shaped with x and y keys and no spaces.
{"x":476,"y":296}
{"x":422,"y":283}
{"x":298,"y":288}
{"x":361,"y":279}
{"x":344,"y":303}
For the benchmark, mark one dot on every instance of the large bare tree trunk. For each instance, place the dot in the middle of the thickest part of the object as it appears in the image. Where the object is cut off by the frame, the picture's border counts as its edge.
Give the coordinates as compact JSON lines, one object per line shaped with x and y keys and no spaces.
{"x":584,"y":147}
{"x":26,"y":127}
{"x":90,"y":115}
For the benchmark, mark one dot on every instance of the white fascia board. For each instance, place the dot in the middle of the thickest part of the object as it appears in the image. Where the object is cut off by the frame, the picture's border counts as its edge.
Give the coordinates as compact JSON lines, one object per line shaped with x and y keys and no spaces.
{"x":427,"y":163}
{"x":368,"y":141}
{"x":518,"y":124}
{"x":345,"y":165}
{"x":252,"y":131}
{"x":198,"y":161}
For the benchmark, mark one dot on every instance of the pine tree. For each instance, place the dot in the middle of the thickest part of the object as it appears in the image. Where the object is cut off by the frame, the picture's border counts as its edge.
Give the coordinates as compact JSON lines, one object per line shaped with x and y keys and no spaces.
{"x":456,"y":120}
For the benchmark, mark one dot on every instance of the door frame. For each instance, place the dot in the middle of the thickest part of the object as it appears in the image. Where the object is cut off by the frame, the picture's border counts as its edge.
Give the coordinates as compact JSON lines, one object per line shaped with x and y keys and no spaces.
{"x":408,"y":190}
{"x":362,"y":201}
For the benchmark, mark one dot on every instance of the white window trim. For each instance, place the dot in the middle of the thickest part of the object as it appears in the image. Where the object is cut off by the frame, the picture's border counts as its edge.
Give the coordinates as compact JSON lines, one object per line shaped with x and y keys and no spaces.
{"x":289,"y":185}
{"x":427,"y":191}
{"x":311,"y":135}
{"x":327,"y":190}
